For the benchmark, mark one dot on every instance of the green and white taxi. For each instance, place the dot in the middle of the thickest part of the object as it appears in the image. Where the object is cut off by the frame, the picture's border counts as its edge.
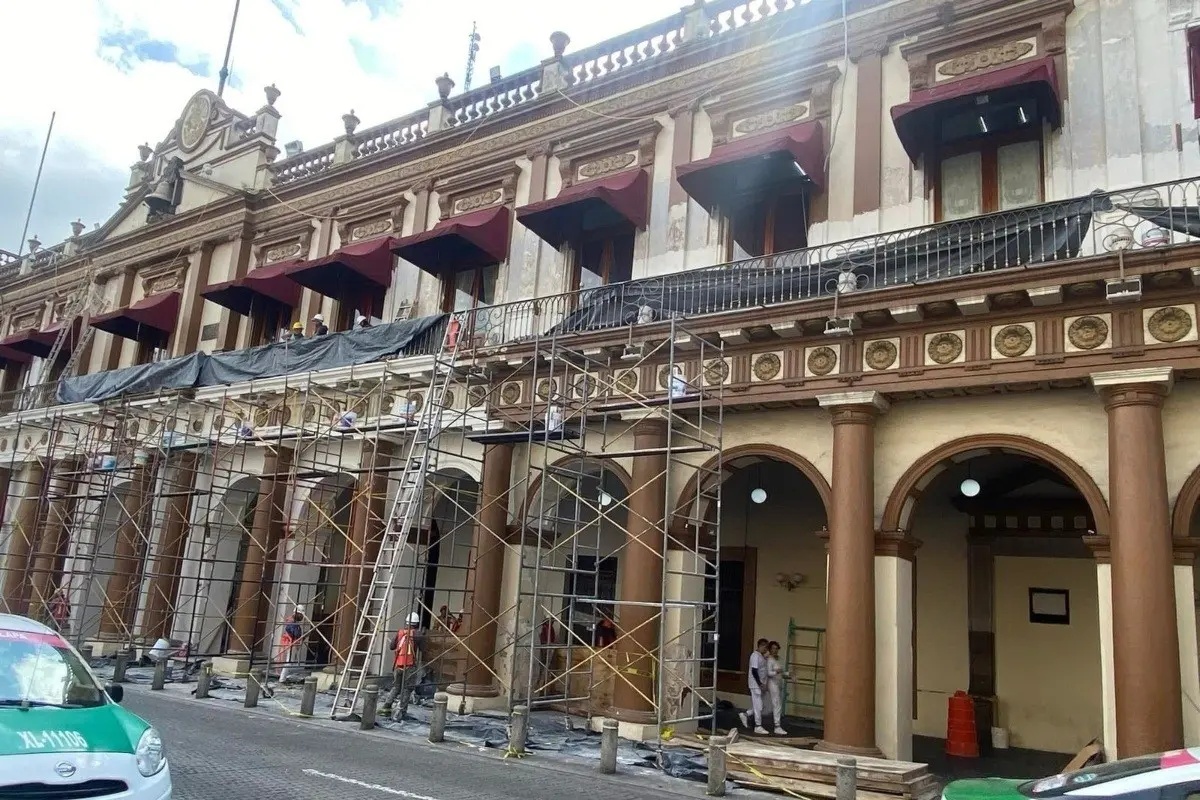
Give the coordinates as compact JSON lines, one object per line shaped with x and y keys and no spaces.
{"x":62,"y":735}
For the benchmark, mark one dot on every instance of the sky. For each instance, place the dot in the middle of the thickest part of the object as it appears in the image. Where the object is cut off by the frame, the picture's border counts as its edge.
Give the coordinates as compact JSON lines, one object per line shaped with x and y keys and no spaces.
{"x":118,"y":72}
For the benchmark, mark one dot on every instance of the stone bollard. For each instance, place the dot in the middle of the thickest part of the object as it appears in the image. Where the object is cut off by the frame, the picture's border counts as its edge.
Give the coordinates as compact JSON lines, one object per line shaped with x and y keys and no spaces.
{"x":253,"y":687}
{"x":847,"y":779}
{"x":203,"y":680}
{"x":85,"y":653}
{"x":519,"y":730}
{"x":308,"y":698}
{"x":717,"y":768}
{"x":608,"y":746}
{"x":437,"y":723}
{"x":120,"y":664}
{"x":160,"y":675}
{"x":370,"y":704}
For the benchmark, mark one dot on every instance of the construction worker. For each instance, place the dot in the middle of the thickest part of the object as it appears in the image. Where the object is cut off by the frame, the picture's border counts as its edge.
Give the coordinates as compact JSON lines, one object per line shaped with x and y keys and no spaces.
{"x":319,"y":326}
{"x":409,"y":646}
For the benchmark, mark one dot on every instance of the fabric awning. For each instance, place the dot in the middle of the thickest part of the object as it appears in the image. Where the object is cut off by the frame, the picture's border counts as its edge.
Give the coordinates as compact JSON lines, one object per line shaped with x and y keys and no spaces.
{"x":265,"y":284}
{"x":34,"y":342}
{"x":915,"y":119}
{"x":149,"y":318}
{"x":623,"y":197}
{"x":350,"y":271}
{"x":735,"y":168}
{"x":10,"y":356}
{"x":477,"y":239}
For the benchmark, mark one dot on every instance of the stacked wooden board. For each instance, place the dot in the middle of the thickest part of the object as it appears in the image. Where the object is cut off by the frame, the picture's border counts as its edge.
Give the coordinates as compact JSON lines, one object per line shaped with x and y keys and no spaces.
{"x":804,"y":772}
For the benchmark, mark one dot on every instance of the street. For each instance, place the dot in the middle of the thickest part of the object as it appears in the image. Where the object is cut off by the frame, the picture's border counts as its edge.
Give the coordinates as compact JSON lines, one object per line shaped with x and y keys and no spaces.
{"x":218,"y":751}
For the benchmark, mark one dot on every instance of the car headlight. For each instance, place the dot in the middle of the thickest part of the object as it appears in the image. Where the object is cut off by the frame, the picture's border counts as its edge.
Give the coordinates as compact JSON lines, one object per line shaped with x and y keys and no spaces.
{"x":151,"y":753}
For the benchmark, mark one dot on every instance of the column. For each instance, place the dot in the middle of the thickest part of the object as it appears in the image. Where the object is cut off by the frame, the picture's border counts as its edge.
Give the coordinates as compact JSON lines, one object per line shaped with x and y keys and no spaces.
{"x":266,"y":529}
{"x":850,"y":636}
{"x":1100,"y":547}
{"x":641,"y":578}
{"x":484,"y":581}
{"x":367,"y":511}
{"x":1189,"y":650}
{"x":168,"y":565}
{"x":42,"y":579}
{"x":1145,"y":641}
{"x":121,"y":591}
{"x":20,"y":540}
{"x":894,"y":620}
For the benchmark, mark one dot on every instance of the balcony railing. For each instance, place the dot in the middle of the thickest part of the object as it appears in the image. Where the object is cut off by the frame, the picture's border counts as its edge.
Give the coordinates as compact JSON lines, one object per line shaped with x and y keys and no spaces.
{"x":1149,"y":217}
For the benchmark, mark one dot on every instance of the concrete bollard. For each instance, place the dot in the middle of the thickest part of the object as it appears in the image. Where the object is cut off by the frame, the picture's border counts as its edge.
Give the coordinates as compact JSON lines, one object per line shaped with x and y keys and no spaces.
{"x":160,"y":676}
{"x":85,"y":653}
{"x":203,"y":680}
{"x":519,"y":730}
{"x":308,"y":698}
{"x":370,"y":704}
{"x":437,"y":723}
{"x":253,"y":687}
{"x":120,"y":664}
{"x":608,"y":746}
{"x":717,"y":767}
{"x":847,"y":779}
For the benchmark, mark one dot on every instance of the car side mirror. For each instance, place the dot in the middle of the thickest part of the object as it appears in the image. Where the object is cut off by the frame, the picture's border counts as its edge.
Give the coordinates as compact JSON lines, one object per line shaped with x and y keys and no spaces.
{"x":115,"y":691}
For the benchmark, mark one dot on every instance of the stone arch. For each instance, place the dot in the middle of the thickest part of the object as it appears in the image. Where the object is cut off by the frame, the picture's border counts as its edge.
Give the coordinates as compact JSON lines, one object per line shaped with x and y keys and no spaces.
{"x":736,"y":458}
{"x":908,"y":489}
{"x":535,"y":483}
{"x":1185,"y":506}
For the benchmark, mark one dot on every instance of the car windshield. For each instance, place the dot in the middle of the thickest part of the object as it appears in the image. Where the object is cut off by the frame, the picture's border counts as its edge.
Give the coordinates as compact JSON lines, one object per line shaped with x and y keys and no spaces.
{"x":1057,"y":785}
{"x":39,"y":669}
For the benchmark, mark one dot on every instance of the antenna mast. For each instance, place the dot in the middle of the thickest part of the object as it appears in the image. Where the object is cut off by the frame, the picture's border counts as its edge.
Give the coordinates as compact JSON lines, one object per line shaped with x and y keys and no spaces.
{"x":237,"y":4}
{"x":472,"y":51}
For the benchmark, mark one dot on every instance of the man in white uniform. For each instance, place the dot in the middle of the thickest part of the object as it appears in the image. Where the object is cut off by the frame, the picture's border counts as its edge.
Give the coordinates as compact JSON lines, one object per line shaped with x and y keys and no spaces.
{"x":757,"y":680}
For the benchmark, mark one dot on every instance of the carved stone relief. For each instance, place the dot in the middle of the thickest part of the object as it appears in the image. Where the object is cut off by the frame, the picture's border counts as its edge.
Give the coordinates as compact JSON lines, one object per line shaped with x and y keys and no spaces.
{"x":1169,"y":324}
{"x":944,"y":348}
{"x":1012,"y":341}
{"x":474,"y":202}
{"x":1088,"y":333}
{"x":821,"y":360}
{"x":282,"y":252}
{"x":606,"y":165}
{"x":985,"y":59}
{"x":767,"y":366}
{"x":716,"y":371}
{"x":768,"y":120}
{"x":881,"y":354}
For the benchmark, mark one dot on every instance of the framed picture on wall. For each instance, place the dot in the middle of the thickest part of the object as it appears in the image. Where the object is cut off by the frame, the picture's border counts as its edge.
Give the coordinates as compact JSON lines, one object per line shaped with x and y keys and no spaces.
{"x":1049,"y":606}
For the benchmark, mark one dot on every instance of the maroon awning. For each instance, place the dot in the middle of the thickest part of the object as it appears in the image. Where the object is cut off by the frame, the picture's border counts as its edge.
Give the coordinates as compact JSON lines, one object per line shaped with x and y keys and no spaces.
{"x":350,"y":271}
{"x":600,"y":203}
{"x":737,"y":168}
{"x":915,"y":120}
{"x":477,"y":239}
{"x":269,"y":284}
{"x":149,"y":318}
{"x":9,"y":356}
{"x":34,"y":342}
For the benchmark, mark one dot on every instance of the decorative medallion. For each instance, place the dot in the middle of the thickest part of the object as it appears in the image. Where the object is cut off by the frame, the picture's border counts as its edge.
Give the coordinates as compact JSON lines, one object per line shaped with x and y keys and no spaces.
{"x":1013,"y":340}
{"x":477,"y":395}
{"x":369,"y":229}
{"x":770,"y":119}
{"x":767,"y":367}
{"x":261,"y":417}
{"x":45,"y":437}
{"x":286,"y":417}
{"x":282,"y":252}
{"x":1169,"y":324}
{"x":547,"y":388}
{"x":664,"y":372}
{"x":448,"y":399}
{"x":822,"y":360}
{"x":716,"y":371}
{"x":3,"y":445}
{"x":476,"y":201}
{"x":585,"y":386}
{"x":197,"y":425}
{"x":985,"y":59}
{"x":416,"y":400}
{"x":607,"y":165}
{"x":626,"y":382}
{"x":28,"y":442}
{"x":944,"y":348}
{"x":310,"y":412}
{"x":131,"y":429}
{"x":880,"y":355}
{"x":1088,"y":333}
{"x":194,"y":122}
{"x":511,"y":393}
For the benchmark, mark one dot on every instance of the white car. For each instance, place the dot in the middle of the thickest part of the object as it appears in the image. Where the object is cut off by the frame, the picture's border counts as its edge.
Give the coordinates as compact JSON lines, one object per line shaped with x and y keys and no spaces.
{"x":61,"y":733}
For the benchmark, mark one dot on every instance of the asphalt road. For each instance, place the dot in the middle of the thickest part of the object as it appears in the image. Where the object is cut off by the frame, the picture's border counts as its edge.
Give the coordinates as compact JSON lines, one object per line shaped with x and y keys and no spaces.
{"x":218,"y":751}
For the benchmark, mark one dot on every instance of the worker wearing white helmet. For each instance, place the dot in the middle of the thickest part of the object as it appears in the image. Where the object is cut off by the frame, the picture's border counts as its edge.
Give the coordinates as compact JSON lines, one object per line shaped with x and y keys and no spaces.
{"x":409,"y":646}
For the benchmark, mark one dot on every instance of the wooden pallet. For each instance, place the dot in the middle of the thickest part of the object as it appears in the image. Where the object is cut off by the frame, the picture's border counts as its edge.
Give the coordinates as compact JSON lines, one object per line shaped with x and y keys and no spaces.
{"x":800,"y":771}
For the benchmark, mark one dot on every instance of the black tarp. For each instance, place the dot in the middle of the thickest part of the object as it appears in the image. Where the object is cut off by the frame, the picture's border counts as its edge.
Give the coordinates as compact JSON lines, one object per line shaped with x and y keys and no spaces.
{"x":1181,"y":219}
{"x":333,"y":350}
{"x":1043,"y":234}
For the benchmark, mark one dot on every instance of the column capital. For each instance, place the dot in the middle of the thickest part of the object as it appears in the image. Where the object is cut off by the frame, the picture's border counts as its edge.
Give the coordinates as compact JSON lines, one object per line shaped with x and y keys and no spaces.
{"x":1185,"y":549}
{"x":1142,"y":386}
{"x":854,"y":407}
{"x":897,"y":544}
{"x":1101,"y":547}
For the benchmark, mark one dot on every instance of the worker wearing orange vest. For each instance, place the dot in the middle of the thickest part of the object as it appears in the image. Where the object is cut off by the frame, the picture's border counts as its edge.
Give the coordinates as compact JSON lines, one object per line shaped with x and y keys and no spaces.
{"x":408,"y":645}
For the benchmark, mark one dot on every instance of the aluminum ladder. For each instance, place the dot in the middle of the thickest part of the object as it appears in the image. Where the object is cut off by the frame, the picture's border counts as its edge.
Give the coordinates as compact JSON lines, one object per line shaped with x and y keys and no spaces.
{"x":406,"y":506}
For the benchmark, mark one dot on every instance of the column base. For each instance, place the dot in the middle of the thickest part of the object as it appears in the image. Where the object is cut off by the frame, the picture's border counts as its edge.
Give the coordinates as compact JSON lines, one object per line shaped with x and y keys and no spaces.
{"x":326,"y":679}
{"x":470,"y":699}
{"x":231,"y":665}
{"x":628,"y":730}
{"x":104,"y":649}
{"x":824,"y":746}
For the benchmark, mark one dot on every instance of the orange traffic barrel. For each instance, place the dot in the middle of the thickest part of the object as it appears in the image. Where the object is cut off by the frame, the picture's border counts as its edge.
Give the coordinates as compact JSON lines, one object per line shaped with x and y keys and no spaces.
{"x":961,"y":737}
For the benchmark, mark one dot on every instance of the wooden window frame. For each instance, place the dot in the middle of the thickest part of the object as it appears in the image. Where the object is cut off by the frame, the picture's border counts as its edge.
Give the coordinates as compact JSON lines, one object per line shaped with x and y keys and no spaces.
{"x":265,"y":322}
{"x":608,"y":237}
{"x":772,"y":202}
{"x":1193,"y":58}
{"x":988,"y":146}
{"x":450,"y":280}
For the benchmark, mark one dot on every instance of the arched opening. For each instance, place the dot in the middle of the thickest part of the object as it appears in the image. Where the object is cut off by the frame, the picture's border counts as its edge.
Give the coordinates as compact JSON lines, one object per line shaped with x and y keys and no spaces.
{"x":103,"y":561}
{"x":1006,"y":604}
{"x":772,"y":571}
{"x":225,"y":551}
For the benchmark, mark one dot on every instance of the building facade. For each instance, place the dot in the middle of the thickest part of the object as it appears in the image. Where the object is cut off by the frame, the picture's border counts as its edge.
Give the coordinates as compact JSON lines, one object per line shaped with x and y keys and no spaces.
{"x":866,"y":327}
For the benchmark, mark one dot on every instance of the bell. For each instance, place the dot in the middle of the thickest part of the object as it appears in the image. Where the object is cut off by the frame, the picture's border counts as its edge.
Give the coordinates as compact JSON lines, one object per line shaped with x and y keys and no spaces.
{"x":163,"y":197}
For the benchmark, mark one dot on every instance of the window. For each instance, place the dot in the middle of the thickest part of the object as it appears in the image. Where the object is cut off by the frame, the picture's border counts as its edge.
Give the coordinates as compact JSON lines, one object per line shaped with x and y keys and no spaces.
{"x":471,"y":288}
{"x":767,"y":226}
{"x":39,"y":669}
{"x":589,"y":579}
{"x":150,"y":349}
{"x":267,"y":320}
{"x":988,"y":157}
{"x":602,"y":259}
{"x":1193,"y":56}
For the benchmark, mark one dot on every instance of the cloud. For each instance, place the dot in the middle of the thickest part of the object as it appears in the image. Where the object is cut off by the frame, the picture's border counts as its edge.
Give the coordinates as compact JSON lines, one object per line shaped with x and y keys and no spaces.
{"x":120,"y":73}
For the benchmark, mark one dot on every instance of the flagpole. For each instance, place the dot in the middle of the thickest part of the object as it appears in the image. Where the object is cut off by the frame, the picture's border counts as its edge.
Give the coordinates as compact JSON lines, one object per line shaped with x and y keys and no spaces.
{"x":36,"y":182}
{"x":237,"y":4}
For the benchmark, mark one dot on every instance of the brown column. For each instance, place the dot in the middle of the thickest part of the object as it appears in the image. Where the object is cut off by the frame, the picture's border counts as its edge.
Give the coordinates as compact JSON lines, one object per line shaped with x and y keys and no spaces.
{"x":868,"y":126}
{"x":483,"y":581}
{"x":1146,"y":673}
{"x":24,"y":530}
{"x":121,"y":590}
{"x":642,"y":578}
{"x":850,"y":638}
{"x":366,"y":532}
{"x":43,"y":581}
{"x":266,"y":530}
{"x":164,"y":581}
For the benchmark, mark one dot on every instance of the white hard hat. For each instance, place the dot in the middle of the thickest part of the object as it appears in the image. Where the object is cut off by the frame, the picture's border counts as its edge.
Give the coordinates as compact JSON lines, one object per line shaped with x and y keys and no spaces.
{"x":318,"y":318}
{"x":414,"y":618}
